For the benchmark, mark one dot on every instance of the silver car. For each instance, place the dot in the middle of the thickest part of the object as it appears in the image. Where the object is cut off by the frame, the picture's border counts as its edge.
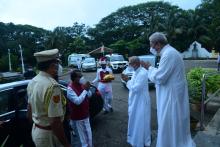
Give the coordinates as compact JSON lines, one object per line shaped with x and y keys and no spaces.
{"x":89,"y":64}
{"x":146,"y":58}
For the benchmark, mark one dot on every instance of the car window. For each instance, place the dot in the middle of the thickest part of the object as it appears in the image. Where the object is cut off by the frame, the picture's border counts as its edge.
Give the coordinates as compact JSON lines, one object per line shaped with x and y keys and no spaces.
{"x":89,"y":60}
{"x":5,"y":98}
{"x":117,"y":58}
{"x":21,"y":99}
{"x":73,"y":59}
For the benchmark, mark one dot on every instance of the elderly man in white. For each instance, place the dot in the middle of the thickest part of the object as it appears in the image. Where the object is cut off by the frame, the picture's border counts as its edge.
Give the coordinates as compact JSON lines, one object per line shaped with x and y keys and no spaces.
{"x":139,"y":106}
{"x":172,"y":94}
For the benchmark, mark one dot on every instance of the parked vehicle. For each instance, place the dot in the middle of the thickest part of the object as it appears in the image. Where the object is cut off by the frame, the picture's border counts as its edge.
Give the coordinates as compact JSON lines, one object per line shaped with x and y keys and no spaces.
{"x":13,"y":112}
{"x":148,"y":58}
{"x":6,"y":77}
{"x":129,"y":72}
{"x":116,"y":62}
{"x":72,"y":59}
{"x":89,"y":64}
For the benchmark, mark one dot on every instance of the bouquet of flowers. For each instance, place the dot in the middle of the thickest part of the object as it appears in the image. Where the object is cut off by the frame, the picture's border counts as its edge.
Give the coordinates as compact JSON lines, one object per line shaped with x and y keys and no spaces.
{"x":108,"y":77}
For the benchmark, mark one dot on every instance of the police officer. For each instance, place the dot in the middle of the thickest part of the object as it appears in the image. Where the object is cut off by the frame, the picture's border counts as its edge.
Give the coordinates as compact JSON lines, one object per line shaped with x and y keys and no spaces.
{"x":46,"y":103}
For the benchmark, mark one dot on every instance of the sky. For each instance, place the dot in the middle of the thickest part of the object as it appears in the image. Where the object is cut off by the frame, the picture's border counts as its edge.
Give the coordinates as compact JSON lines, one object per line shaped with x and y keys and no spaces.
{"x":49,"y":14}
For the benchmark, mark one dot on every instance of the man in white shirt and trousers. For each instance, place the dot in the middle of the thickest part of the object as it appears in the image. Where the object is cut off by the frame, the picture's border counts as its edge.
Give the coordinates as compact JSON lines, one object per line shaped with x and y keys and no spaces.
{"x":139,"y":106}
{"x":104,"y":87}
{"x":172,"y":94}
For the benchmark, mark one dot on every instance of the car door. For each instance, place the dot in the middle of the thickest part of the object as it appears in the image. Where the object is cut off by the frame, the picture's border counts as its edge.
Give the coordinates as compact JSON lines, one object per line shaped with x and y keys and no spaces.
{"x":7,"y":113}
{"x":13,"y":113}
{"x":22,"y":123}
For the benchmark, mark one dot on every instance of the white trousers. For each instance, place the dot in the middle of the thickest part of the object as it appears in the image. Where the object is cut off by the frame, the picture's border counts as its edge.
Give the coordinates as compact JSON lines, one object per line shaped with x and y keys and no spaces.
{"x":105,"y":90}
{"x":83,"y":130}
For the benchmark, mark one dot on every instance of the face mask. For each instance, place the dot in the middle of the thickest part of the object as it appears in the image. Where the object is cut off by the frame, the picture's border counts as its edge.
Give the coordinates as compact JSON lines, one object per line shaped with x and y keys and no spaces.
{"x":56,"y":66}
{"x":82,"y":81}
{"x":130,"y":68}
{"x":103,"y":66}
{"x":133,"y":68}
{"x":153,"y":51}
{"x":60,"y":70}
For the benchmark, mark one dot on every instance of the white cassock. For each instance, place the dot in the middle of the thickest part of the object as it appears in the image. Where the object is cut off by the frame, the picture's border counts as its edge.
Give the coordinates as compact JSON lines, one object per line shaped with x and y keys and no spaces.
{"x":172,"y":100}
{"x":139,"y":109}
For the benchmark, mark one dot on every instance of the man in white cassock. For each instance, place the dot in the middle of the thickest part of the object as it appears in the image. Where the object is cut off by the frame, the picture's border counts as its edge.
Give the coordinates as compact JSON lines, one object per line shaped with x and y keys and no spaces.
{"x":139,"y":106}
{"x":172,"y":94}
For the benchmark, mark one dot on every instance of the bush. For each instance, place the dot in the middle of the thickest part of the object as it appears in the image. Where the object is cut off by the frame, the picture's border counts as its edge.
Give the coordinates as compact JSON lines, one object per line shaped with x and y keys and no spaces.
{"x":194,"y":78}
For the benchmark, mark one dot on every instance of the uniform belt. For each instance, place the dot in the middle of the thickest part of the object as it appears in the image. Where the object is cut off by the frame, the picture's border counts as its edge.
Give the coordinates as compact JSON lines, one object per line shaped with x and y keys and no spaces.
{"x":43,"y":127}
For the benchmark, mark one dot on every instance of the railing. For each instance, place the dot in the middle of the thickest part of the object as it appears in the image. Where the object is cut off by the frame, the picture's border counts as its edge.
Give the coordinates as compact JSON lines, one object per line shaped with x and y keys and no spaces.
{"x":204,"y":100}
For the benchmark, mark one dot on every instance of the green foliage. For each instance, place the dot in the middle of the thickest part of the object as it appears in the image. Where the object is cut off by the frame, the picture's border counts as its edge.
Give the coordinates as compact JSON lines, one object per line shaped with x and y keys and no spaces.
{"x":4,"y":63}
{"x":126,"y":30}
{"x":119,"y":47}
{"x":78,"y":45}
{"x":194,"y":78}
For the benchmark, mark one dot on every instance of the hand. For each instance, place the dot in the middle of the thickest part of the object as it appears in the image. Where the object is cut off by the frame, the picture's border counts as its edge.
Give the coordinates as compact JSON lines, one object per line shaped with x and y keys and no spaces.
{"x":124,"y":77}
{"x":87,"y":85}
{"x":145,"y":64}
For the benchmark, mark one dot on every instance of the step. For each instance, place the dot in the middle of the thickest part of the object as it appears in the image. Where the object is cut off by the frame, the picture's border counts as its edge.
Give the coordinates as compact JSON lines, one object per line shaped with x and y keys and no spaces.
{"x":210,"y":137}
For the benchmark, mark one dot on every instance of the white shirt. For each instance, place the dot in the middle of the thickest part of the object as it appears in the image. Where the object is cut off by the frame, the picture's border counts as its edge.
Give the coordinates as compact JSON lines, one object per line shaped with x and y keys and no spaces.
{"x":73,"y":97}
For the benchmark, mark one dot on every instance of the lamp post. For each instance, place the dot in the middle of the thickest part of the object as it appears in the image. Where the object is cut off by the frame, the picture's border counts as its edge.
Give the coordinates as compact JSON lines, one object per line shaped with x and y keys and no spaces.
{"x":22,"y":62}
{"x":9,"y":59}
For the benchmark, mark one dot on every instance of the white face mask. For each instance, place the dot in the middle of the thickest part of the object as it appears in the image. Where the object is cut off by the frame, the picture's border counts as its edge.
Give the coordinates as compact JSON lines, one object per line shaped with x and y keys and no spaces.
{"x":60,"y":70}
{"x":82,"y":81}
{"x":130,"y":68}
{"x":153,"y":51}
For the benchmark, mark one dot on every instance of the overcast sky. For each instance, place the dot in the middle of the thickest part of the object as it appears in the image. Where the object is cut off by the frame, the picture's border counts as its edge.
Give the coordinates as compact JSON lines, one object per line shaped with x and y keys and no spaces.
{"x":49,"y":14}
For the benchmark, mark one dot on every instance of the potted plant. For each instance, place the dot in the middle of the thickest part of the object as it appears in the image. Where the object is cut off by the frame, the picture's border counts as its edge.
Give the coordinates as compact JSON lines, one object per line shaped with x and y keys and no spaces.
{"x":194,"y":78}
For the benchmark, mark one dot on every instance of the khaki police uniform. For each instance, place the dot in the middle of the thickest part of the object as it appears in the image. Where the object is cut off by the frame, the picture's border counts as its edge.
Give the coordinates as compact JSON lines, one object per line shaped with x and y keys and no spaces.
{"x":47,"y":101}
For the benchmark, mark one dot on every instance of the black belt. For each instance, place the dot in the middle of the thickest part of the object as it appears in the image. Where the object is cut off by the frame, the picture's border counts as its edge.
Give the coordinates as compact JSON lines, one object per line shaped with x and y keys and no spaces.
{"x":43,"y":127}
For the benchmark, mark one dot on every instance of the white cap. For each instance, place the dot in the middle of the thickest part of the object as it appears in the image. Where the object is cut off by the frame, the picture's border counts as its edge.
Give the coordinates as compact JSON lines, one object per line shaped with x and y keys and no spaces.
{"x":102,"y":60}
{"x":47,"y":55}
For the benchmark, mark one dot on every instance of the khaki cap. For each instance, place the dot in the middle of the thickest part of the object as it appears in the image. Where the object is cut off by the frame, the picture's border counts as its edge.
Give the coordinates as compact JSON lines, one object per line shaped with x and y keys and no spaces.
{"x":47,"y":55}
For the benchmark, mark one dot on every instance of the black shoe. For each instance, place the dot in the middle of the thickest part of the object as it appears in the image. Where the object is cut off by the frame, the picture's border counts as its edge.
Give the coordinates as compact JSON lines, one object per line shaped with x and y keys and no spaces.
{"x":111,"y":110}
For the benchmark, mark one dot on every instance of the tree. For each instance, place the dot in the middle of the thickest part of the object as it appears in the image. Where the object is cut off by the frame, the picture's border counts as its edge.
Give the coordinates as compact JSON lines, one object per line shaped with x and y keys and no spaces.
{"x":77,"y":46}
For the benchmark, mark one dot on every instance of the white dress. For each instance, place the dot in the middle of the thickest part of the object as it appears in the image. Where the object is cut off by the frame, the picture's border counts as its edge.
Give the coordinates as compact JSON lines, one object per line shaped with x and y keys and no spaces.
{"x":139,"y":110}
{"x":172,"y":100}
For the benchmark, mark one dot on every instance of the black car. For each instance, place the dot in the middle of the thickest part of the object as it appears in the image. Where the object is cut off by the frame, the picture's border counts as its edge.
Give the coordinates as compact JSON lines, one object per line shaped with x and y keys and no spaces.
{"x":16,"y":128}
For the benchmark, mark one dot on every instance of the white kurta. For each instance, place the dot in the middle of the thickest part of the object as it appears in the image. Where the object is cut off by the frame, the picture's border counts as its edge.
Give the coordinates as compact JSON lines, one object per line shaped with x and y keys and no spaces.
{"x":172,"y":100}
{"x":139,"y":109}
{"x":104,"y":88}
